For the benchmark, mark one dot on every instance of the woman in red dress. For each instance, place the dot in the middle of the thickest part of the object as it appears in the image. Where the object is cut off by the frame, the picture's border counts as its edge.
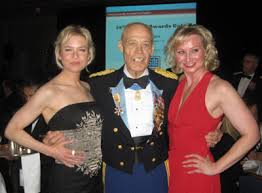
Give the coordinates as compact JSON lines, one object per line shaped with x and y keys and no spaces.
{"x":200,"y":102}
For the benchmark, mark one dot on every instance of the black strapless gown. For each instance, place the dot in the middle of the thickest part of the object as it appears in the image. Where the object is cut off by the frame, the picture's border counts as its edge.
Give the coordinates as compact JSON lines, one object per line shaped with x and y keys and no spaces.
{"x":81,"y":122}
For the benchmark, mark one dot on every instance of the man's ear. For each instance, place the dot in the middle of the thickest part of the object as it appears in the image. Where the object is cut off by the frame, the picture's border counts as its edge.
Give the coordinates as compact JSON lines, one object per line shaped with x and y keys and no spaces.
{"x":120,"y":45}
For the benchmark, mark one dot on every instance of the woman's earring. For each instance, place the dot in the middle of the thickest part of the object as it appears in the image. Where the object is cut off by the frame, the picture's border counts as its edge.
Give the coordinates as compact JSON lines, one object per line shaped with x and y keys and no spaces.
{"x":86,"y":69}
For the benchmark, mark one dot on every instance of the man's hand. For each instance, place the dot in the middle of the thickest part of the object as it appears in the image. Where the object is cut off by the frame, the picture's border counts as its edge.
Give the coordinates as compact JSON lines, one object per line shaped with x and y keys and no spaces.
{"x":53,"y":137}
{"x":213,"y":137}
{"x":57,"y":141}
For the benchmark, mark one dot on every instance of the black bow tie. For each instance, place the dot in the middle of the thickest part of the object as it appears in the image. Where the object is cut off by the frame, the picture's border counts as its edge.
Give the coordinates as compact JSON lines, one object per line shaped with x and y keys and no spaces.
{"x":246,"y":76}
{"x":142,"y":81}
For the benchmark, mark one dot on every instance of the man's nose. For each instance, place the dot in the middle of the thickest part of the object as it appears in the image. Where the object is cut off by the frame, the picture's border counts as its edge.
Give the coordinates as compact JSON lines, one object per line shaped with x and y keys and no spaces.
{"x":139,"y":49}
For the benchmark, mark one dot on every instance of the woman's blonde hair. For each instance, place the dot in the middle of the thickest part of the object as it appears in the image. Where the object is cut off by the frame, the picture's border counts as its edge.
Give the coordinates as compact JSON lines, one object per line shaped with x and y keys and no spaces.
{"x":211,"y":54}
{"x":66,"y":34}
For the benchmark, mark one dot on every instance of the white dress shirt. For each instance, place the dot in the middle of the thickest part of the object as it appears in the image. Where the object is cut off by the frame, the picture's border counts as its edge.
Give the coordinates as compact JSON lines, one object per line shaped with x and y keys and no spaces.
{"x":2,"y":184}
{"x":243,"y":84}
{"x":139,"y":109}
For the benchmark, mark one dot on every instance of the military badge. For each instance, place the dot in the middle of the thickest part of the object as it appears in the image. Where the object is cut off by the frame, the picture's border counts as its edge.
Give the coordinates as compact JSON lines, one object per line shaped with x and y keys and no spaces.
{"x":158,"y":113}
{"x":118,"y":109}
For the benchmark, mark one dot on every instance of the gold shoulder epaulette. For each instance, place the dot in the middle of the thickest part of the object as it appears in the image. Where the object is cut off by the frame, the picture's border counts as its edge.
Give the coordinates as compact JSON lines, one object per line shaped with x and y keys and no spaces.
{"x":166,"y":73}
{"x":101,"y":73}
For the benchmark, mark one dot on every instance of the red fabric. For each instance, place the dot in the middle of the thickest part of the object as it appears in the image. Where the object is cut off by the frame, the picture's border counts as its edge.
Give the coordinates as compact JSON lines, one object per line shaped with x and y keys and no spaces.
{"x":187,"y":129}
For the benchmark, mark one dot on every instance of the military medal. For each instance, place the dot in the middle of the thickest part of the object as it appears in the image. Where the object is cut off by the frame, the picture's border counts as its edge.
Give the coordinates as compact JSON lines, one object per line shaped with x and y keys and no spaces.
{"x":118,"y":109}
{"x":137,"y":95}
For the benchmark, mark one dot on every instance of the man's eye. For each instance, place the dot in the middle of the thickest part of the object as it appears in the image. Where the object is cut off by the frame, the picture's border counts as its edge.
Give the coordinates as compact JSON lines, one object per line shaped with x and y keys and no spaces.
{"x":147,"y":45}
{"x":131,"y":43}
{"x":67,"y":49}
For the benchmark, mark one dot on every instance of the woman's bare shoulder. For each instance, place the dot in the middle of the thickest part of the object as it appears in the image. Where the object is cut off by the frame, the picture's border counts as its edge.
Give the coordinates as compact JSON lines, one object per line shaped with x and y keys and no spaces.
{"x":48,"y":91}
{"x":217,"y":84}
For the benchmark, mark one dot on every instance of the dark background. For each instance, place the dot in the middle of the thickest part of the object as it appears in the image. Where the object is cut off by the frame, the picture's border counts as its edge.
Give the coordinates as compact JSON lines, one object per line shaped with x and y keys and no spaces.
{"x":28,"y":29}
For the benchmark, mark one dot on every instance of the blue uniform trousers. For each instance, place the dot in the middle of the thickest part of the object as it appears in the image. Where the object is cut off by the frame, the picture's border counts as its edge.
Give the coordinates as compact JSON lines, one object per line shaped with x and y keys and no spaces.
{"x":140,"y":181}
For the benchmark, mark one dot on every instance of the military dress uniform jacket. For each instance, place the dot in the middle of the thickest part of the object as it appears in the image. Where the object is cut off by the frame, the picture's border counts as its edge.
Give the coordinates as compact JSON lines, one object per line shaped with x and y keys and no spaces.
{"x":118,"y":147}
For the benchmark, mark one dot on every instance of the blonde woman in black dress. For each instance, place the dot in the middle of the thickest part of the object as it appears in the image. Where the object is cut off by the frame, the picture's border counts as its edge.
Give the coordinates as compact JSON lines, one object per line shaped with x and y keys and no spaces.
{"x":67,"y":105}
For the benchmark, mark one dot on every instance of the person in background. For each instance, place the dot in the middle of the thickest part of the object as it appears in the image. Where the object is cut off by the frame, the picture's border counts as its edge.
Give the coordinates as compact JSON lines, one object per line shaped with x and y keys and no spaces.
{"x":66,"y":104}
{"x":198,"y":106}
{"x":13,"y":100}
{"x":245,"y":81}
{"x":37,"y":129}
{"x":248,"y":82}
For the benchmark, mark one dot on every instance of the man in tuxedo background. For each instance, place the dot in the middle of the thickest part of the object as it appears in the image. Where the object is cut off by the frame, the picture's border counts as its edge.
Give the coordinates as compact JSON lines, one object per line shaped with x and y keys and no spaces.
{"x":248,"y":81}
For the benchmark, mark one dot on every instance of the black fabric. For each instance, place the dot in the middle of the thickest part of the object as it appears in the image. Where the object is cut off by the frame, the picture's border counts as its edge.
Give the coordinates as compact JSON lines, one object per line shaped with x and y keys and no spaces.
{"x":246,"y":76}
{"x":251,"y":93}
{"x":250,"y":184}
{"x":63,"y":179}
{"x":142,"y":81}
{"x":229,"y":177}
{"x":140,"y":140}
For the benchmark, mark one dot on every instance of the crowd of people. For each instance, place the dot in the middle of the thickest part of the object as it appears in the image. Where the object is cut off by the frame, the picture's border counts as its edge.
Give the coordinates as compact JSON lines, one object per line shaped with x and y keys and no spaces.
{"x":137,"y":129}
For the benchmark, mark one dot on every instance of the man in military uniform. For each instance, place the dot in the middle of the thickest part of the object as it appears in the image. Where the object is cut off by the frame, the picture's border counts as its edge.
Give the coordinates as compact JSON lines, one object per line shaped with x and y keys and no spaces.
{"x":135,"y":100}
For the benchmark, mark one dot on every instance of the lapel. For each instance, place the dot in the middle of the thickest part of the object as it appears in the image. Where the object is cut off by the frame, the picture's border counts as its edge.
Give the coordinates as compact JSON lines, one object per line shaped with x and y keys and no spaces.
{"x":118,"y":95}
{"x":159,"y":105}
{"x":155,"y":91}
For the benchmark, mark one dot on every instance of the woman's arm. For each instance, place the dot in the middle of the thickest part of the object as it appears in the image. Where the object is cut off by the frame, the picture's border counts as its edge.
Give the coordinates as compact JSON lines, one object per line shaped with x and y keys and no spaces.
{"x":14,"y":131}
{"x":227,"y":101}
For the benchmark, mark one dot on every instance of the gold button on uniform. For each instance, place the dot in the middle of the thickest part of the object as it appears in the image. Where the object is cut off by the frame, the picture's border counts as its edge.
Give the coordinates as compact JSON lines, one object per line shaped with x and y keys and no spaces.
{"x":121,"y":163}
{"x":115,"y":130}
{"x":132,"y":148}
{"x":120,"y":147}
{"x":153,"y":159}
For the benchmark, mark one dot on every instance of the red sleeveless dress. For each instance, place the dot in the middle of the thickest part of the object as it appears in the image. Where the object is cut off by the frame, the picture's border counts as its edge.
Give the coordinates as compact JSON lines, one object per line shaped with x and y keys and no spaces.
{"x":187,"y":129}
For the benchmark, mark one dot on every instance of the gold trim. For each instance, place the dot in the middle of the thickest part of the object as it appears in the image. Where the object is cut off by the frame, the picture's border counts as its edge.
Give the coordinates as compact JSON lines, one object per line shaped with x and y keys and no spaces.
{"x":167,"y":170}
{"x":104,"y":174}
{"x":101,"y":73}
{"x":165,"y":73}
